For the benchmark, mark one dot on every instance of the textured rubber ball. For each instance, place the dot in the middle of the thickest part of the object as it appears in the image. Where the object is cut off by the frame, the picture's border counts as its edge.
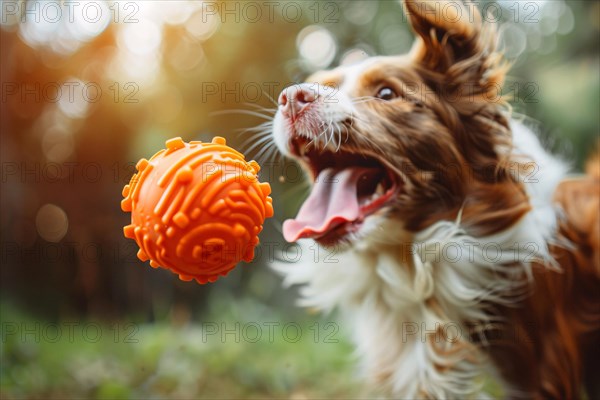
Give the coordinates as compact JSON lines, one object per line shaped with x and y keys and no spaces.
{"x":196,"y":208}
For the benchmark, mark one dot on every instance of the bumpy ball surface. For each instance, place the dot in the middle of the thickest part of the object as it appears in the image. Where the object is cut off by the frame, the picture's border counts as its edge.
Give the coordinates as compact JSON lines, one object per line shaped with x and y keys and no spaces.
{"x":196,"y":208}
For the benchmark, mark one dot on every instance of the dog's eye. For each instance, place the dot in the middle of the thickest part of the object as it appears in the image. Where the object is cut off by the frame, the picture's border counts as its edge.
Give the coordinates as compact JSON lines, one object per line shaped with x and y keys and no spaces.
{"x":386,"y":93}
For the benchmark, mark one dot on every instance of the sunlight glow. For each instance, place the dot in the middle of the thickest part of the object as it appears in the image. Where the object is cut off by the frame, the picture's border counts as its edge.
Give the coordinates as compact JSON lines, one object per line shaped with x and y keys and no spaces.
{"x":141,"y":38}
{"x":201,"y":25}
{"x":72,"y":101}
{"x":62,"y":29}
{"x":316,"y":46}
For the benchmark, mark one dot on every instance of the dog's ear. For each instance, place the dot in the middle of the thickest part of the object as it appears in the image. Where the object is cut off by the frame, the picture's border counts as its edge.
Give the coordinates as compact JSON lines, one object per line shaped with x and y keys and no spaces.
{"x":451,"y":31}
{"x":456,"y":54}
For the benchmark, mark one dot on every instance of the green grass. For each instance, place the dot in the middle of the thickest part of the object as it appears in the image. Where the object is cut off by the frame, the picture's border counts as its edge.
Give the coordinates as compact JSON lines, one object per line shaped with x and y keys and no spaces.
{"x":167,"y":361}
{"x":176,"y":360}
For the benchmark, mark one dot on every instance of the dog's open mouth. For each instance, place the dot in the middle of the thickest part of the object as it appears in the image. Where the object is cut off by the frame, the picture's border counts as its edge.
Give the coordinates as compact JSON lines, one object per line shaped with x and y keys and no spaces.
{"x":348,"y":187}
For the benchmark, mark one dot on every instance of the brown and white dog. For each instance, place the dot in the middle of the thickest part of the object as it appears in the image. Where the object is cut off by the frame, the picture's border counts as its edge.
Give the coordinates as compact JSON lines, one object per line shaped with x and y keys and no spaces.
{"x":463,"y":250}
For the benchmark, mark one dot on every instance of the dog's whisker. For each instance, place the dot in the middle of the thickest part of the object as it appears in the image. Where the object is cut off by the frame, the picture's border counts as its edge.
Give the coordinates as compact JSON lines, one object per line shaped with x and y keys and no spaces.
{"x":258,"y":107}
{"x":264,"y":152}
{"x":268,"y":147}
{"x":365,"y":99}
{"x":271,"y":99}
{"x":326,"y":135}
{"x":333,"y":136}
{"x":260,"y":131}
{"x":256,"y":130}
{"x":340,"y":136}
{"x":242,"y":111}
{"x":258,"y":143}
{"x":330,"y":134}
{"x":413,"y":168}
{"x":253,"y":137}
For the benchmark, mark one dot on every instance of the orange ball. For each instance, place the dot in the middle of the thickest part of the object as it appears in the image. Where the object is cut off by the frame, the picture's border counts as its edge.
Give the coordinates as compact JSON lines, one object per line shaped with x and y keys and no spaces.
{"x":196,"y":208}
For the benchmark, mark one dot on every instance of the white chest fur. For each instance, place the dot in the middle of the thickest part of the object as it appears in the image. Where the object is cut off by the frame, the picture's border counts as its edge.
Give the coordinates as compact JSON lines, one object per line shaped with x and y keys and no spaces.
{"x":413,"y":303}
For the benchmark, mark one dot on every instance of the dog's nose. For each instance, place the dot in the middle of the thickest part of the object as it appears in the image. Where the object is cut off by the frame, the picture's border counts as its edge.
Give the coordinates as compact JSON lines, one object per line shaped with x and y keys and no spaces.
{"x":294,"y":99}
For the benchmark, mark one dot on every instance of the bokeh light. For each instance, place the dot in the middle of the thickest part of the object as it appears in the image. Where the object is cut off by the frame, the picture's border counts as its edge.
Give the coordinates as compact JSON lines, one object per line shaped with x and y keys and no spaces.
{"x":62,"y":28}
{"x":76,"y":96}
{"x":361,"y":12}
{"x":202,"y":25}
{"x":186,"y":55}
{"x":355,"y":55}
{"x":534,"y":26}
{"x":52,"y":223}
{"x":139,"y":70}
{"x":57,"y":144}
{"x":316,"y":46}
{"x":142,"y":38}
{"x":90,"y":22}
{"x":513,"y":40}
{"x":118,"y":79}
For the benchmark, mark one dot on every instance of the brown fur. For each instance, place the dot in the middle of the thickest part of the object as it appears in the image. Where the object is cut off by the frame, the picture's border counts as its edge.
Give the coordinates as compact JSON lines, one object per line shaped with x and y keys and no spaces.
{"x":556,"y":347}
{"x":443,"y":135}
{"x":451,"y":121}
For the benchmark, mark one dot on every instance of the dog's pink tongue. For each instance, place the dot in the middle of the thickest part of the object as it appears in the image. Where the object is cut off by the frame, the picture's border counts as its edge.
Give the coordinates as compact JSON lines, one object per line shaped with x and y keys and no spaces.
{"x":333,"y":200}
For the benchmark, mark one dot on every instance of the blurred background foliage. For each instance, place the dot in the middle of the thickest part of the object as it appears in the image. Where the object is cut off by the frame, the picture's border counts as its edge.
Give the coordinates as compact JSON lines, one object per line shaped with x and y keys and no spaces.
{"x":88,"y":92}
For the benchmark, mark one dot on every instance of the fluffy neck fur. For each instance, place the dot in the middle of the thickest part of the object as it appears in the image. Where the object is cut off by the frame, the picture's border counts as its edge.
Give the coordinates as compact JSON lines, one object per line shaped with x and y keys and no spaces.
{"x":421,"y":302}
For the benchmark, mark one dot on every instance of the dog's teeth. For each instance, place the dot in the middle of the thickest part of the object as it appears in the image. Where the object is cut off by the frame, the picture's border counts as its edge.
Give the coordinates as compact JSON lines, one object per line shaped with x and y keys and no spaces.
{"x":379,"y":190}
